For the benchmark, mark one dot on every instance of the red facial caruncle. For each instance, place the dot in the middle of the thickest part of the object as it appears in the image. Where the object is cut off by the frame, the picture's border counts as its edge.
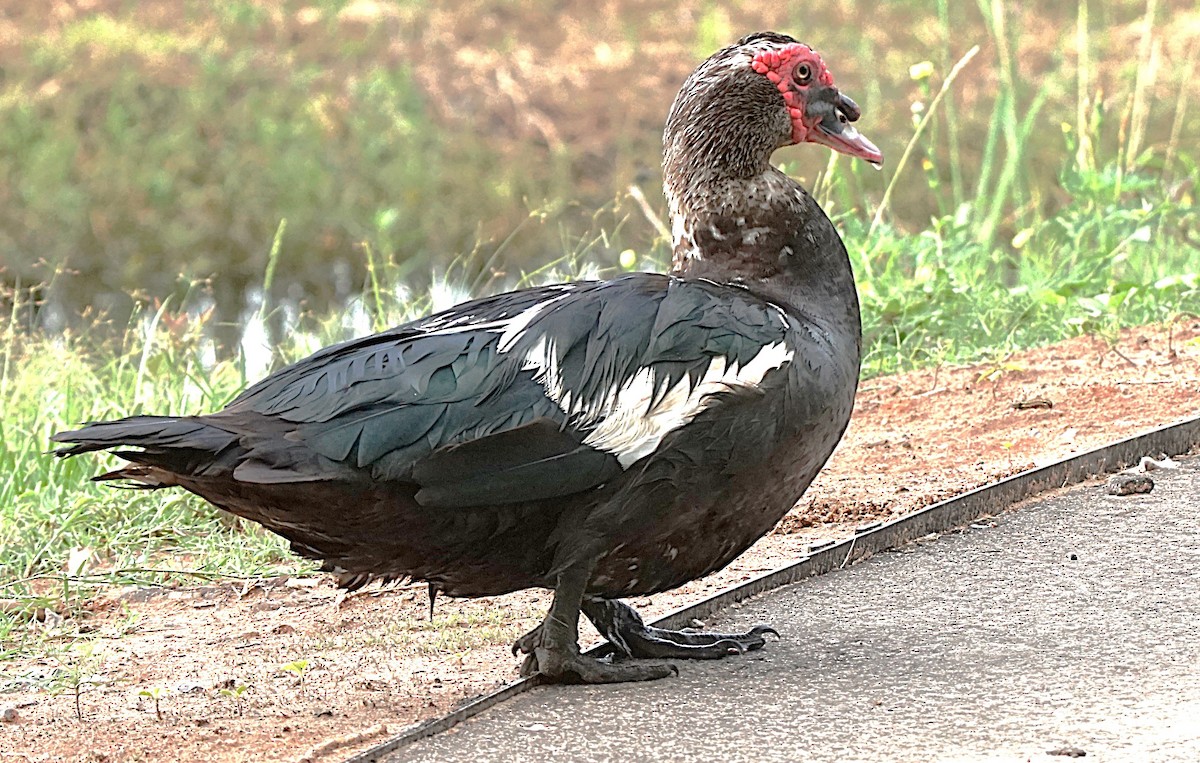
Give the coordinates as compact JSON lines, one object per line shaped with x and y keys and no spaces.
{"x":818,"y":111}
{"x":796,"y":64}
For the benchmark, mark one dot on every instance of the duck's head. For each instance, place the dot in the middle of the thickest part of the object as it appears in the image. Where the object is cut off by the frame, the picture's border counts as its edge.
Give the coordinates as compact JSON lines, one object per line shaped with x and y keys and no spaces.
{"x":747,"y":100}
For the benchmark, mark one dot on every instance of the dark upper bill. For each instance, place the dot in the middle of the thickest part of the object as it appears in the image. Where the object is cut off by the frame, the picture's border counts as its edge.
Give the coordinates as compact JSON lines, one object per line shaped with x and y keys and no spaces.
{"x":834,"y":129}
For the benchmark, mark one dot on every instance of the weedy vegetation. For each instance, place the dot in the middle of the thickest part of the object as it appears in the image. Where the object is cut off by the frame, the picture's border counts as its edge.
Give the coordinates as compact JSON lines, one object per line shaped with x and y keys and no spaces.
{"x":298,"y":668}
{"x":77,"y":672}
{"x":235,"y":693}
{"x":155,"y":694}
{"x":1035,"y":192}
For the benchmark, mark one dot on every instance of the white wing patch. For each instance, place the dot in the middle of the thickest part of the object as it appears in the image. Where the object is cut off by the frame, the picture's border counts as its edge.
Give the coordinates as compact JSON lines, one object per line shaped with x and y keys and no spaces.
{"x":542,"y":359}
{"x":518,"y":323}
{"x":626,"y":424}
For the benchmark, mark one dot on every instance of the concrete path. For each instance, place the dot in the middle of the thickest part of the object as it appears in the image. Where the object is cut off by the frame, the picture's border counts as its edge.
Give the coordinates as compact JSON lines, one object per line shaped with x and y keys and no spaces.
{"x":1072,"y":625}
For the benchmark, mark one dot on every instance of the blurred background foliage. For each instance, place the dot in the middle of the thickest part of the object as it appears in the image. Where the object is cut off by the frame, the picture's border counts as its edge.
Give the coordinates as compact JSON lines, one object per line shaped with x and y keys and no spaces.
{"x":148,"y":147}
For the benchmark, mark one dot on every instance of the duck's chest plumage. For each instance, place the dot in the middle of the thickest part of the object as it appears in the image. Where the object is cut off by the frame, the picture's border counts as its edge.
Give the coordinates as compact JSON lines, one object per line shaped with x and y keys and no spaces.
{"x":725,"y":479}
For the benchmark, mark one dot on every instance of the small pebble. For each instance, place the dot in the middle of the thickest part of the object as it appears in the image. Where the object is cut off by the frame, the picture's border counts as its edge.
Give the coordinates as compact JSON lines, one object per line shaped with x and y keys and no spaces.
{"x":9,"y":714}
{"x":1068,"y":752}
{"x":1129,"y":484}
{"x":190,"y":687}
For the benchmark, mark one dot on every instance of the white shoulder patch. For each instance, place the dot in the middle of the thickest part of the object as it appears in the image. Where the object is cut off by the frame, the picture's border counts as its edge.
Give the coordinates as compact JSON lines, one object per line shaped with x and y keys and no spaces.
{"x":515,"y":327}
{"x":630,"y":428}
{"x":542,"y":359}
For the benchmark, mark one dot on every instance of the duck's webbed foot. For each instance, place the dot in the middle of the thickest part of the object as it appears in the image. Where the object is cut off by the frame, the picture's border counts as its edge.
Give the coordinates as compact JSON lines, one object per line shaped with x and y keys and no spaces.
{"x":631,"y":637}
{"x":552,"y":649}
{"x":567,"y":665}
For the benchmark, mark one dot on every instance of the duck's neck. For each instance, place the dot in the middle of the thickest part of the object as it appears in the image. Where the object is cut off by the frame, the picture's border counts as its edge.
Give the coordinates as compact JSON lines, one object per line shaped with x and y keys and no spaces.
{"x":764,"y":232}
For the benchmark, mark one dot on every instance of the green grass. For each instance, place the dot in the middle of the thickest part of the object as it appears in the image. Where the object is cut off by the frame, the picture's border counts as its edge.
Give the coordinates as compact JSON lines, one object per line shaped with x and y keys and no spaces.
{"x":50,"y":508}
{"x":1116,"y":255}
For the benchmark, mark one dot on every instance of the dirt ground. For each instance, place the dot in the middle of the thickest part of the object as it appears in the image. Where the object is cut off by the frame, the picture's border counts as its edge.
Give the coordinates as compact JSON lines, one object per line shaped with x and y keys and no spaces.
{"x":376,"y":663}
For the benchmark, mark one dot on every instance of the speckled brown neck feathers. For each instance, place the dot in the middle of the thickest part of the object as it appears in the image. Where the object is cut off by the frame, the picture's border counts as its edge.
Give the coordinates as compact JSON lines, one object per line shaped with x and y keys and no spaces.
{"x":736,"y":219}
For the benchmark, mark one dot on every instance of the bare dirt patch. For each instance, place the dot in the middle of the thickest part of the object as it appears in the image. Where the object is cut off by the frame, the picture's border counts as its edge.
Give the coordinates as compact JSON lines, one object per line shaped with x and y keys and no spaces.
{"x":376,"y":663}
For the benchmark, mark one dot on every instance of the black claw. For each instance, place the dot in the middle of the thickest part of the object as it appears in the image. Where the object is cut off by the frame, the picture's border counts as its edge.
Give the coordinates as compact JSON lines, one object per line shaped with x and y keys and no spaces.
{"x":763,"y":629}
{"x":527,"y":642}
{"x":529,"y":666}
{"x":731,"y":646}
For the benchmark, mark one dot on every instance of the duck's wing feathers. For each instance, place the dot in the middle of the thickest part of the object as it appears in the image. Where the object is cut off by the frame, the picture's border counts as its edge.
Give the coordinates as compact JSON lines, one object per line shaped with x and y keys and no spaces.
{"x":530,"y":395}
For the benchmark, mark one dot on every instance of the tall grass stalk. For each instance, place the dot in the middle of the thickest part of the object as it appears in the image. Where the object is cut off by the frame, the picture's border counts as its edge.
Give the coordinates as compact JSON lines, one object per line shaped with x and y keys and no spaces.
{"x":991,"y":203}
{"x":950,"y":109}
{"x":998,"y":201}
{"x":1181,"y":109}
{"x":916,"y":136}
{"x":378,"y":317}
{"x":824,"y":186}
{"x":151,"y":334}
{"x":10,"y":339}
{"x":1149,"y":53}
{"x":1083,"y":146}
{"x":639,"y":198}
{"x":264,"y":308}
{"x":1132,"y":125}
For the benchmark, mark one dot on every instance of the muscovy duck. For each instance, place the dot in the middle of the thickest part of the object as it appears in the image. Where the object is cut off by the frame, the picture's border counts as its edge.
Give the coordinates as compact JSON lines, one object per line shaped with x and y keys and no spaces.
{"x":601,"y":439}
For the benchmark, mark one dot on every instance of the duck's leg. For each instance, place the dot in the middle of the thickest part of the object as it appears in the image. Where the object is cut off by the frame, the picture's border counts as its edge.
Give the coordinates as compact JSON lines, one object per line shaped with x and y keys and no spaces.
{"x":631,"y":637}
{"x":552,"y":649}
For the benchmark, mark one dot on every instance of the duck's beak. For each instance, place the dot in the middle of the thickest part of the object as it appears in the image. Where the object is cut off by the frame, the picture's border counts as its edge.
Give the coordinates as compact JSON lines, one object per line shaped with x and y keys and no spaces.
{"x":832,"y":116}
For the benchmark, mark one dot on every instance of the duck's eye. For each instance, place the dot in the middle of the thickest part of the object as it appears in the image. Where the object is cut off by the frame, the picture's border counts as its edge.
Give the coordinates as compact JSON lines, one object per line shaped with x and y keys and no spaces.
{"x":803,"y":74}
